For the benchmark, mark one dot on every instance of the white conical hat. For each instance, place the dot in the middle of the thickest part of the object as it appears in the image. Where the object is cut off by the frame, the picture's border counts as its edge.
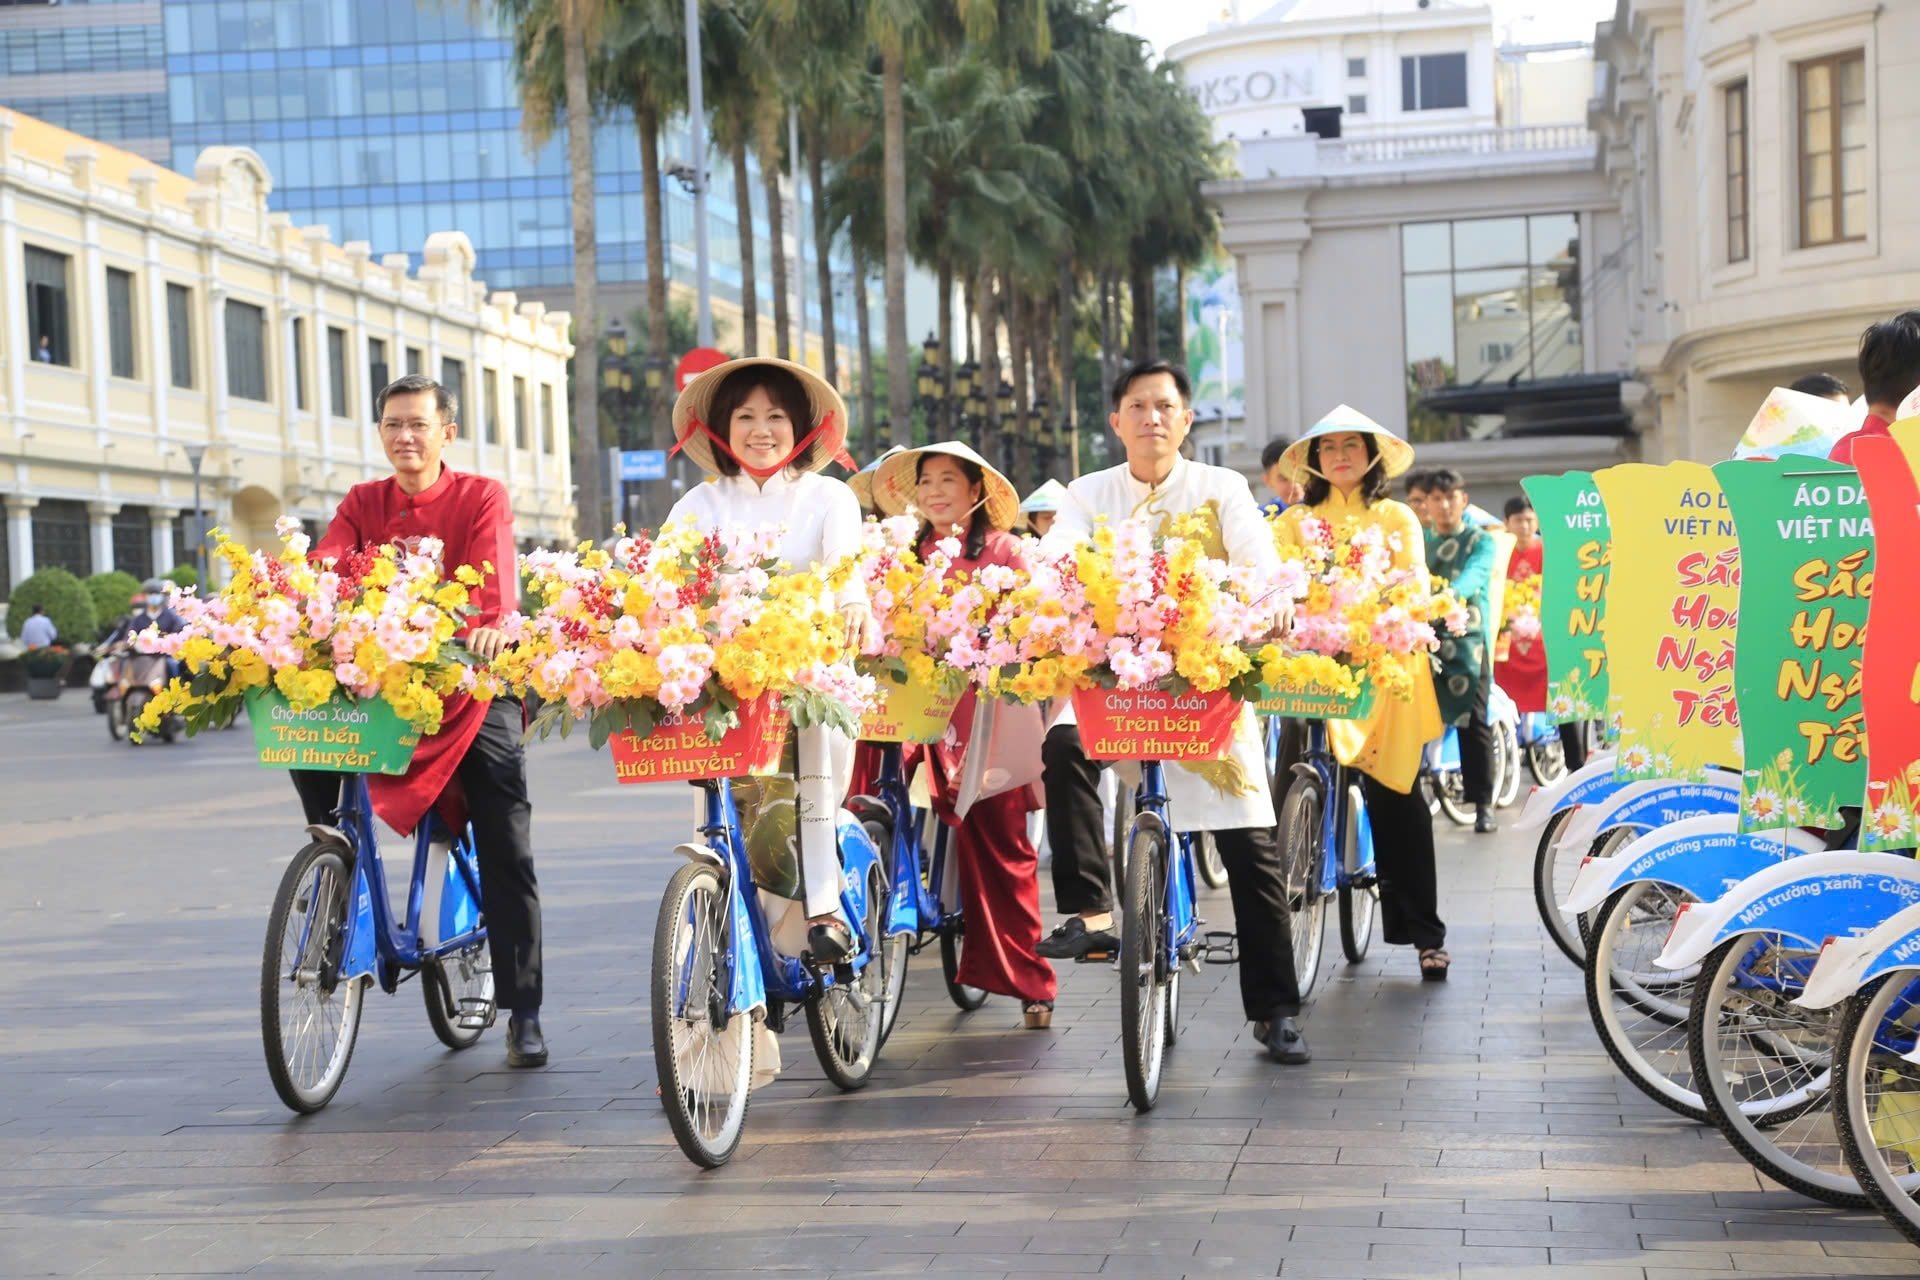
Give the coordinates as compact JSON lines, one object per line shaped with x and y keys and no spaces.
{"x":1396,"y":455}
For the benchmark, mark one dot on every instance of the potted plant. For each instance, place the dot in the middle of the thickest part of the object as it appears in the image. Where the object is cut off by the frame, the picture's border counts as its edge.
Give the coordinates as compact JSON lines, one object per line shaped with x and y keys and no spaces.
{"x":43,"y":667}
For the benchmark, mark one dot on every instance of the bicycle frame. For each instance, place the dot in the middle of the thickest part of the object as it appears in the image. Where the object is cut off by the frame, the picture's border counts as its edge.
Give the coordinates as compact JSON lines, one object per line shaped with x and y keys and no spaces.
{"x":754,"y":971}
{"x":1337,"y":816}
{"x":375,"y":943}
{"x":915,"y":906}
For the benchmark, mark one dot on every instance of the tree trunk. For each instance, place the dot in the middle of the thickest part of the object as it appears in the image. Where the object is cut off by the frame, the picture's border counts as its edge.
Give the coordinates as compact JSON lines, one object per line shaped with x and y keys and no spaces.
{"x":823,"y":263}
{"x":869,"y":423}
{"x":1064,"y":355}
{"x":1108,"y":336}
{"x":1017,"y":348}
{"x":1146,"y":339}
{"x":893,"y":76}
{"x":749,"y":291}
{"x":590,"y":503}
{"x":776,"y":231}
{"x":944,"y":335}
{"x":648,"y":124}
{"x":988,"y":378}
{"x":969,"y":317}
{"x":1180,"y":313}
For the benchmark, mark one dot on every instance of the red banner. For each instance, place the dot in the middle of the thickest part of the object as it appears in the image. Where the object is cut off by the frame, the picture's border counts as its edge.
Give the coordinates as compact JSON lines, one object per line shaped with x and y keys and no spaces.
{"x":1145,"y":724}
{"x":678,"y":749}
{"x":1891,"y":661}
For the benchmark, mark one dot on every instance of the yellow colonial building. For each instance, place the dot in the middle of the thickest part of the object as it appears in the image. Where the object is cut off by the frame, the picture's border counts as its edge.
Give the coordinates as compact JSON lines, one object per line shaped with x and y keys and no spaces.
{"x":152,"y":322}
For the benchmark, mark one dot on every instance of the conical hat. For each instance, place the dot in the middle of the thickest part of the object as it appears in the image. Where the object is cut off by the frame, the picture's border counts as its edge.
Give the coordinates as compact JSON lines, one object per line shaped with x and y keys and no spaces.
{"x":899,"y":477}
{"x":698,"y":437}
{"x":1047,"y":497}
{"x":861,"y":481}
{"x":1792,"y":421}
{"x":1396,"y":455}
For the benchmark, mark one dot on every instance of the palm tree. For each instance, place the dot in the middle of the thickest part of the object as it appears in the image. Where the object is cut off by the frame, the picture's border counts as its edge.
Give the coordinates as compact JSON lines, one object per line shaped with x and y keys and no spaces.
{"x":646,"y":72}
{"x":548,"y":85}
{"x":734,"y":104}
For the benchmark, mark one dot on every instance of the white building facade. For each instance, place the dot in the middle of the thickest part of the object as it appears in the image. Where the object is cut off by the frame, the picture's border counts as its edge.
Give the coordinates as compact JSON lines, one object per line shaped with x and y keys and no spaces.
{"x":1420,"y":229}
{"x":150,"y":320}
{"x":1759,"y":155}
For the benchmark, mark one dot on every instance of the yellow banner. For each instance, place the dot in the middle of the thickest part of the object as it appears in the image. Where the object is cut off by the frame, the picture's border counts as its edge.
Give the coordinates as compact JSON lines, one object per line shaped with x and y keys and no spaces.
{"x":1672,"y":607}
{"x":912,"y":712}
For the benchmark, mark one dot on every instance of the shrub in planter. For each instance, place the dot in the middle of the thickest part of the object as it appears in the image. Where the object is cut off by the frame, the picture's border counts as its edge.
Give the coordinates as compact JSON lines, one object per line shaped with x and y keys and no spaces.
{"x":112,"y":592}
{"x":184,"y":574}
{"x":46,"y":662}
{"x":67,"y":602}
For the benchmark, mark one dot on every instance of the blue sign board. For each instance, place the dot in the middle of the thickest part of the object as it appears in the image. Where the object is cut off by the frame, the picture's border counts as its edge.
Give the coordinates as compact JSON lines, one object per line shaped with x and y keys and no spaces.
{"x":643,"y":464}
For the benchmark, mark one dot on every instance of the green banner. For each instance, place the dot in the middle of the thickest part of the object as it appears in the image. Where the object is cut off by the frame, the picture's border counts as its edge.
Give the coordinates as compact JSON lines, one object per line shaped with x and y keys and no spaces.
{"x":340,"y":736}
{"x":1798,"y":642}
{"x":1576,"y":564}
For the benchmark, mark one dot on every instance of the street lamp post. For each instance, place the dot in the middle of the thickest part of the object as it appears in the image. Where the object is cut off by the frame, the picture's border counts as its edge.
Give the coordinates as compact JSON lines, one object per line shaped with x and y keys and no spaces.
{"x":197,"y":454}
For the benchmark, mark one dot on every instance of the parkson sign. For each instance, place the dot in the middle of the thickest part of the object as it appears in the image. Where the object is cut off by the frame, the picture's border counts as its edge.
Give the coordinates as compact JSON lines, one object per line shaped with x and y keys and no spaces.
{"x":1279,"y":82}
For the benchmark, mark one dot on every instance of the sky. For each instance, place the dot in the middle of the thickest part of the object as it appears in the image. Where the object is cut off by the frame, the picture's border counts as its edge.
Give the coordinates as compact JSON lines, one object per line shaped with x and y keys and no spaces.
{"x":1164,"y":22}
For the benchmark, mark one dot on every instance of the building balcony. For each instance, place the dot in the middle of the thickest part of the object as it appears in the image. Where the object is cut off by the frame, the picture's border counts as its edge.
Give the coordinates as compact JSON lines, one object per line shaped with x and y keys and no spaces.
{"x":1306,"y":158}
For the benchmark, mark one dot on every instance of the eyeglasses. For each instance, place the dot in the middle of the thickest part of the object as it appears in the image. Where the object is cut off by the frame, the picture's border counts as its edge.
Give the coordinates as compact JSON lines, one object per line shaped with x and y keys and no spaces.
{"x":393,"y":429}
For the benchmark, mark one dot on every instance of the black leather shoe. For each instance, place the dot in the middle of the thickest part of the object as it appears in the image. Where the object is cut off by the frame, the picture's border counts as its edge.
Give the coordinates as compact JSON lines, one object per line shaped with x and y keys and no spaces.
{"x":526,"y":1047}
{"x":1483,"y":822}
{"x":830,"y":943}
{"x":1074,"y":941}
{"x":1286,"y":1044}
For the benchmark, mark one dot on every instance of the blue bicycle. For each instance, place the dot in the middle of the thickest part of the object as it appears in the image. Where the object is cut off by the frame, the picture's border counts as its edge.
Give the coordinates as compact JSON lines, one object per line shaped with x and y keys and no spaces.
{"x":332,"y":934}
{"x":922,"y":905}
{"x":714,"y":965}
{"x":1159,"y":932}
{"x":1326,"y":847}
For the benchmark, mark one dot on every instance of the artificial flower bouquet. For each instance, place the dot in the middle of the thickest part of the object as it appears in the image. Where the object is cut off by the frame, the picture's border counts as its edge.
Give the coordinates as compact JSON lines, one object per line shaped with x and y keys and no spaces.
{"x":1520,"y":610}
{"x":681,"y":631}
{"x":919,"y":606}
{"x":1361,"y":611}
{"x":372,"y":633}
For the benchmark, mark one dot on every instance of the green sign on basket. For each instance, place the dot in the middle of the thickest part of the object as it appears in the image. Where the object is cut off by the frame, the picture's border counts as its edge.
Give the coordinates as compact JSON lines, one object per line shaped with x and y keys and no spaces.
{"x":1313,"y":702}
{"x":339,"y":736}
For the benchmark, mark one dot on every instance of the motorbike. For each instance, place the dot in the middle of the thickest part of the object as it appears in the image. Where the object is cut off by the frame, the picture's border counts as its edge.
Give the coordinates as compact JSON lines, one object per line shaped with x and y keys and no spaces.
{"x":133,"y":679}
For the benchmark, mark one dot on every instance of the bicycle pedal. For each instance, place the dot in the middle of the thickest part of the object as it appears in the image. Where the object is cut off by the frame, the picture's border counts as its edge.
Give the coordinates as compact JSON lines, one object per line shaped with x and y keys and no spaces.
{"x":476,"y":1014}
{"x":1098,"y":957}
{"x":1219,"y":947}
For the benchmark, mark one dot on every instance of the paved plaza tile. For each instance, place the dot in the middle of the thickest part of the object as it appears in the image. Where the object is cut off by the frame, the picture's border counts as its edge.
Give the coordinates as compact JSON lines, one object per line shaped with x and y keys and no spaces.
{"x":1472,"y":1130}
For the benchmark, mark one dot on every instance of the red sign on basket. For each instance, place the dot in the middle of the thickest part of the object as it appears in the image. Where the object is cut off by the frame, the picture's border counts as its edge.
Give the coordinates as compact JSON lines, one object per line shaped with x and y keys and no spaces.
{"x":679,"y":750}
{"x":1146,"y":724}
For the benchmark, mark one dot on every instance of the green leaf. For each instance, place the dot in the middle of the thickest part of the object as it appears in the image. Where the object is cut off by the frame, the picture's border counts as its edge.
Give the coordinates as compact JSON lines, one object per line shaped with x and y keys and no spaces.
{"x":641,"y":718}
{"x":600,"y":728}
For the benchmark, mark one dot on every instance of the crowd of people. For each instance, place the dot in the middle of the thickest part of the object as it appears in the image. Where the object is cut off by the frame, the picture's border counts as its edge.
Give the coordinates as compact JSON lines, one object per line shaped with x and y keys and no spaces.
{"x":764,"y":430}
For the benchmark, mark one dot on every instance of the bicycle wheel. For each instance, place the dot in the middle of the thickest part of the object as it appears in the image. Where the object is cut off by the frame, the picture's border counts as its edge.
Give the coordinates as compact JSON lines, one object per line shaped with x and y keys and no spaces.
{"x":1547,"y":759}
{"x":309,"y":1016}
{"x":1506,"y":765}
{"x":895,"y":950}
{"x":1300,"y":857}
{"x":1639,"y":1010}
{"x":449,"y":985}
{"x":952,"y":940}
{"x":1450,"y":791}
{"x":1143,"y":970}
{"x":1876,"y":1106}
{"x":844,"y":1019}
{"x":1359,"y":903}
{"x":1208,"y":862}
{"x":1553,"y":874}
{"x":704,"y":1068}
{"x":1765,"y":1065}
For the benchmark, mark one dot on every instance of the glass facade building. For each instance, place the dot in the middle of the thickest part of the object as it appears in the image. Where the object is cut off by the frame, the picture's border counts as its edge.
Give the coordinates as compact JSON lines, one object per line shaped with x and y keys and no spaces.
{"x":384,"y":120}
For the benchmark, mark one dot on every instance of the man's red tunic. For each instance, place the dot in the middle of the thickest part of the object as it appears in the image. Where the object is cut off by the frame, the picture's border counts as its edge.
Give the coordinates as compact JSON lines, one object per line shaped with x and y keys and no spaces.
{"x":473,"y":519}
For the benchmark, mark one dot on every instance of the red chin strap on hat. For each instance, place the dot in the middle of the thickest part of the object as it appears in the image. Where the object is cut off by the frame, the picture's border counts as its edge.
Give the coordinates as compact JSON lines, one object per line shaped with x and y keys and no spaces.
{"x":840,"y":455}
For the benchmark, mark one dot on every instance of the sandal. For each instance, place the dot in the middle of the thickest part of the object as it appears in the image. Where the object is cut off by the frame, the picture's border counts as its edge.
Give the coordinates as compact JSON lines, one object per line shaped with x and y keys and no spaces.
{"x":1434,"y":962}
{"x":1037,"y":1015}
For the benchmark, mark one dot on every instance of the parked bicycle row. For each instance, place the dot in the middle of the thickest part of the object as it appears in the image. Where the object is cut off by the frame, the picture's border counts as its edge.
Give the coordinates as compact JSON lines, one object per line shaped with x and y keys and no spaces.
{"x":1736,"y":877}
